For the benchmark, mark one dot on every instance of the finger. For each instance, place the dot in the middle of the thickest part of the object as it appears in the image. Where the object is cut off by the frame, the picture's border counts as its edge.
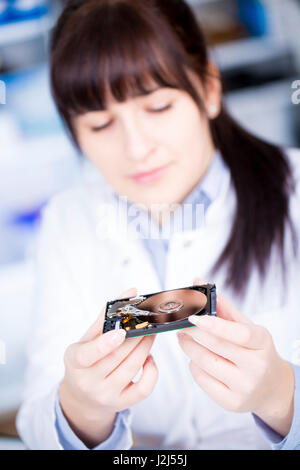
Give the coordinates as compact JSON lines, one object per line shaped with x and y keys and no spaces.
{"x":216,"y":366}
{"x":215,"y":389}
{"x":141,"y":389}
{"x":128,"y":369}
{"x":199,"y":282}
{"x":83,"y":355}
{"x":219,"y":346}
{"x":227,"y":311}
{"x":224,"y":308}
{"x":97,"y":327}
{"x":110,"y":362}
{"x":247,"y":335}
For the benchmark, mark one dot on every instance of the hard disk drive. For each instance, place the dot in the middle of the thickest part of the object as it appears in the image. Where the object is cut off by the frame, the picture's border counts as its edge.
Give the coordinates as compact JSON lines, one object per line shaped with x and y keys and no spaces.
{"x":162,"y":311}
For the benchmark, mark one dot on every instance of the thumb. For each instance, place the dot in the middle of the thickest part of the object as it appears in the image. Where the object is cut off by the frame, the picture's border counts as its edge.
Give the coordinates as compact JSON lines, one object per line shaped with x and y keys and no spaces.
{"x":227,"y":311}
{"x":96,"y":328}
{"x":132,"y":292}
{"x":198,"y":282}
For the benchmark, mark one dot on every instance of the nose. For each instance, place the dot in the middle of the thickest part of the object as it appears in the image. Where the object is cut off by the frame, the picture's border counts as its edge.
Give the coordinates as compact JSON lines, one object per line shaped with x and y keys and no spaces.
{"x":138,"y":145}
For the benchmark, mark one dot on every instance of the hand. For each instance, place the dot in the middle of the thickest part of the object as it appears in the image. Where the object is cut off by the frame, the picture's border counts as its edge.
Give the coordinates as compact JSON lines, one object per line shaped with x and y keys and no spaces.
{"x":98,"y":378}
{"x":235,"y":362}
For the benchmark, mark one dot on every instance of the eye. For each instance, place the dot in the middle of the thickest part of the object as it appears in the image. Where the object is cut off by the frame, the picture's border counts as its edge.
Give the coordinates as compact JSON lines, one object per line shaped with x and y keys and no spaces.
{"x":161,"y":109}
{"x":101,"y":128}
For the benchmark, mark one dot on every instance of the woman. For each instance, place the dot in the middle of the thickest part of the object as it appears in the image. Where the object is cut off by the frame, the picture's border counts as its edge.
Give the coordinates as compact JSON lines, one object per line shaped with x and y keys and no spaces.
{"x":135,"y":87}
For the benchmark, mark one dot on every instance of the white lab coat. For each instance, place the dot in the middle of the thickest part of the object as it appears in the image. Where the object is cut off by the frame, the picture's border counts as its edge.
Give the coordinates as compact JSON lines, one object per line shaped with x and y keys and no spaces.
{"x":79,"y":270}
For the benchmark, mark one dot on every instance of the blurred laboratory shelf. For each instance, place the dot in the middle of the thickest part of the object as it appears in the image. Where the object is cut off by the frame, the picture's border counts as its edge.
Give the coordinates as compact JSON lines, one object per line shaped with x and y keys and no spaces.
{"x":249,"y":51}
{"x":278,"y":42}
{"x":11,"y":444}
{"x":32,"y":170}
{"x":16,"y":293}
{"x":20,"y":31}
{"x":267,"y":111}
{"x":202,"y":2}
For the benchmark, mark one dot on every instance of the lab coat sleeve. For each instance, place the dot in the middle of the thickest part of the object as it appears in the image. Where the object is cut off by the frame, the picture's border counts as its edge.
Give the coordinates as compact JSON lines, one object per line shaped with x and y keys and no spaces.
{"x":58,"y":320}
{"x":292,"y":440}
{"x":119,"y":439}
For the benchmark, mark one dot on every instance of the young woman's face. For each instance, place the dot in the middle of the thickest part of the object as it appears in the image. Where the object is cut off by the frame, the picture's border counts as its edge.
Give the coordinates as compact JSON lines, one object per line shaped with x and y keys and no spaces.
{"x":153,"y":148}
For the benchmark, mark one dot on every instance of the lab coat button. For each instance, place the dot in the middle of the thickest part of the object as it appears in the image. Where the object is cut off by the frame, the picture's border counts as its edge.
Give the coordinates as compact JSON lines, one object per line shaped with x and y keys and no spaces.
{"x":125,"y":262}
{"x":187,"y":244}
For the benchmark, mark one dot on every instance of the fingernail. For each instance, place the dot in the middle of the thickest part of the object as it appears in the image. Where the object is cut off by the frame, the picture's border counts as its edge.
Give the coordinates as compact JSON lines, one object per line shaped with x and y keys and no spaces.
{"x":181,"y":335}
{"x":198,"y":281}
{"x":204,"y":320}
{"x":117,"y":336}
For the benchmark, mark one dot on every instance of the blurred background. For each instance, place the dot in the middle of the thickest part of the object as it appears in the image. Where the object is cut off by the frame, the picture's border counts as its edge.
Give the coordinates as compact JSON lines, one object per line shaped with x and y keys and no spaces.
{"x":256,"y":45}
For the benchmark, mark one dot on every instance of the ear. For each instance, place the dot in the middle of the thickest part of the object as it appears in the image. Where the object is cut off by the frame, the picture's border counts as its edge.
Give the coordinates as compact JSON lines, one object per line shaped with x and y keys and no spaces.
{"x":213,"y":91}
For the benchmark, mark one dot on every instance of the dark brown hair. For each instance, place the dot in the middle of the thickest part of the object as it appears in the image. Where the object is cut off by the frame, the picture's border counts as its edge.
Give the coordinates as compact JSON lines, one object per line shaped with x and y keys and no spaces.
{"x":117,"y":46}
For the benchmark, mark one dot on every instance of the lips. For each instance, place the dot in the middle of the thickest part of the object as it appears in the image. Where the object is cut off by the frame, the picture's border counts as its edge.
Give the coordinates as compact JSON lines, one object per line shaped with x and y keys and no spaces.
{"x":150,"y":176}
